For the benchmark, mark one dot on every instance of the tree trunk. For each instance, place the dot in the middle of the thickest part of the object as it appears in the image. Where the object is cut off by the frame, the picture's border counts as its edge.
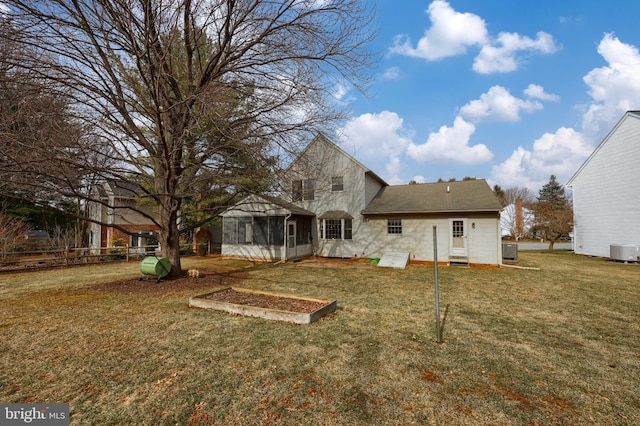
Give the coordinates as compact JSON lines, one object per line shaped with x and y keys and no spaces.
{"x":168,"y":207}
{"x":170,"y":235}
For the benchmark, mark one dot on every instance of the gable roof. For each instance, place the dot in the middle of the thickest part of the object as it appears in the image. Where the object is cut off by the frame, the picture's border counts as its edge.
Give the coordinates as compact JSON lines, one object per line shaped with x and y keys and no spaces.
{"x":119,"y":189}
{"x":321,"y":138}
{"x":634,"y":114}
{"x":286,"y":205}
{"x":441,"y":197}
{"x":275,"y":201}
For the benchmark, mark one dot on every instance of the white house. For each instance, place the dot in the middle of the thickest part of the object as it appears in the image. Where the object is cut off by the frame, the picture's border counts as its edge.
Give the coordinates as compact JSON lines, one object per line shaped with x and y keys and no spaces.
{"x":333,"y":206}
{"x":606,"y":191}
{"x":120,"y":218}
{"x":516,"y":221}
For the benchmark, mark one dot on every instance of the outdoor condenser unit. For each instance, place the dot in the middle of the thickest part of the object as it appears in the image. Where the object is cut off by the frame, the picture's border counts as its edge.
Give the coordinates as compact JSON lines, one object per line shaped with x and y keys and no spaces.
{"x":624,"y":252}
{"x":510,"y":252}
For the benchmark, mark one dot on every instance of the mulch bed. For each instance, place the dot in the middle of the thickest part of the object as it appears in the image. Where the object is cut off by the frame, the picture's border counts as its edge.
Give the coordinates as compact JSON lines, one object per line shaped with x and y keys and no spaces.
{"x":149,"y":285}
{"x":265,"y":301}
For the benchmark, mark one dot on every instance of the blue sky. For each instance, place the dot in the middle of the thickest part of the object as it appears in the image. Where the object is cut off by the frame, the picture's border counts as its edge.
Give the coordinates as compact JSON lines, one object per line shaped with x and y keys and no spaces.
{"x":505,"y":90}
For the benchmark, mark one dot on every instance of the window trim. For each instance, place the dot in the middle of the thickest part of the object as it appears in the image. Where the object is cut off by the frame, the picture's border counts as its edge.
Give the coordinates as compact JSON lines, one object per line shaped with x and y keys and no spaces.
{"x":303,"y":190}
{"x":337,"y":184}
{"x":394,"y":226}
{"x":346,"y":229}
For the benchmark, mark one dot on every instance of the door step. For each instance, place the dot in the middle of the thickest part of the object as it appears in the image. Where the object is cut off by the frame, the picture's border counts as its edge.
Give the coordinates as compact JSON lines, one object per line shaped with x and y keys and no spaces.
{"x":459,"y":261}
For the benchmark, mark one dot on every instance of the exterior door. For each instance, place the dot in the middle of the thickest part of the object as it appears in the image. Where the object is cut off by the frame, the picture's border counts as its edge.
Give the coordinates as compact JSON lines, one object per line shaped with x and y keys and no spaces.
{"x":458,"y":237}
{"x":292,"y":250}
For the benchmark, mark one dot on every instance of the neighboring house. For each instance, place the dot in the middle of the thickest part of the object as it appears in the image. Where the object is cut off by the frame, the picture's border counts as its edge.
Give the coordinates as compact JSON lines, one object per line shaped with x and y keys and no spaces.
{"x":336,"y":207}
{"x":606,"y":193}
{"x":36,"y":239}
{"x":516,"y":221}
{"x":120,"y":207}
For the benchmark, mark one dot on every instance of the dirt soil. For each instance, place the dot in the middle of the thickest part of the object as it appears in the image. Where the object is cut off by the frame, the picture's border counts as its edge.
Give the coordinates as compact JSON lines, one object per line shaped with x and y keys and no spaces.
{"x":265,"y":301}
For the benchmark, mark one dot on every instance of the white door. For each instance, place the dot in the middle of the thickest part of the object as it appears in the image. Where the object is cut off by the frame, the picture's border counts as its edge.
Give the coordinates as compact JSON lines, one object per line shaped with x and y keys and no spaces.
{"x":458,"y":237}
{"x":292,"y":251}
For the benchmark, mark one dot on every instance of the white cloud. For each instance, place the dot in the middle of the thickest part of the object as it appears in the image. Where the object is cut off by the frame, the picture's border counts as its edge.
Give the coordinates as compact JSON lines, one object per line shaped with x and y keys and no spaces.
{"x":614,"y":88}
{"x":535,"y":91}
{"x":377,"y":140}
{"x":341,"y":92}
{"x":392,"y":73}
{"x":497,"y":105}
{"x":419,"y":179}
{"x":559,"y":153}
{"x":450,"y":34}
{"x":451,"y":144}
{"x":504,"y":54}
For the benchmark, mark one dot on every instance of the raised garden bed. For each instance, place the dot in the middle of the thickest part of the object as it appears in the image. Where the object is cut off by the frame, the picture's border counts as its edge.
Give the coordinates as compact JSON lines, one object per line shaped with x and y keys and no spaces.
{"x":273,"y":306}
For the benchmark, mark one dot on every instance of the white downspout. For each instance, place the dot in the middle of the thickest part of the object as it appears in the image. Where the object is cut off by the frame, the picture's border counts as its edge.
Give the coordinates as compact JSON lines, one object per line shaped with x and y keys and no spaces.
{"x":286,"y":236}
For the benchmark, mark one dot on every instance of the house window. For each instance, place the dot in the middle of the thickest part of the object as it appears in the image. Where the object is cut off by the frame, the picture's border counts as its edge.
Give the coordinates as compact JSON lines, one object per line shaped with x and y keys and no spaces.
{"x":309,"y":188}
{"x":303,"y":230}
{"x":347,"y":229}
{"x":260,"y":230}
{"x":394,"y":226}
{"x":336,"y":229}
{"x":457,"y":228}
{"x":229,"y":234}
{"x":245,"y":230}
{"x":303,"y":189}
{"x":337,"y":184}
{"x":333,"y":229}
{"x":296,"y":190}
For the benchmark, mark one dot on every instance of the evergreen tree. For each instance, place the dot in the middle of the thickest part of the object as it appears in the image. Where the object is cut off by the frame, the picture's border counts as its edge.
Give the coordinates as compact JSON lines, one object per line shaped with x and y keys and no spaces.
{"x":497,"y":190}
{"x":552,"y":191}
{"x":553,"y":212}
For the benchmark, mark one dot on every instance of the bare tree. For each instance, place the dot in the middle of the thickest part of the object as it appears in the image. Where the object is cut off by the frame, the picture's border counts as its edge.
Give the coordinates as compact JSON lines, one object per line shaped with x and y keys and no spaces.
{"x":12,"y":234}
{"x":176,"y":91}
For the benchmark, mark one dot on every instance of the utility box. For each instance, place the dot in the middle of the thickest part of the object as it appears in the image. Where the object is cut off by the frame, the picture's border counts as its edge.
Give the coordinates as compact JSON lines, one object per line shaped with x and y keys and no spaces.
{"x":624,"y":252}
{"x":510,"y":252}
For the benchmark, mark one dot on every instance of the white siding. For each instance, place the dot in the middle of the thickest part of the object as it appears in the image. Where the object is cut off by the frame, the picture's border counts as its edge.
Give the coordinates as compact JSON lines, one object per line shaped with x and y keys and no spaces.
{"x":322,"y":161}
{"x":484,"y":246}
{"x":417,"y":239}
{"x":606,"y":192}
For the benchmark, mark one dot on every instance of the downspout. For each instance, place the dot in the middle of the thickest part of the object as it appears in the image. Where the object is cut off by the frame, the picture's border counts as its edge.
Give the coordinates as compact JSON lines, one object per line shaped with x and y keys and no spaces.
{"x":286,"y":238}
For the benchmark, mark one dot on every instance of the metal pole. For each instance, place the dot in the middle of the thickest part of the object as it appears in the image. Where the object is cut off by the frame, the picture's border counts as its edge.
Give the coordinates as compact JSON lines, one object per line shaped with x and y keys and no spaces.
{"x":435,"y":268}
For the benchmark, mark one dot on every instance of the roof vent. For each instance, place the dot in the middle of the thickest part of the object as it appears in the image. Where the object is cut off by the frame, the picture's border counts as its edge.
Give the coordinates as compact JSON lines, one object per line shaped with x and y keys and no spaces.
{"x":448,"y":189}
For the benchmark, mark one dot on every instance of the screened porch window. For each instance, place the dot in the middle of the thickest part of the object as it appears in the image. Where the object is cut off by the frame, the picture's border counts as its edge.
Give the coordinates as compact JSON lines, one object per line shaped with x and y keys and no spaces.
{"x":259,"y":230}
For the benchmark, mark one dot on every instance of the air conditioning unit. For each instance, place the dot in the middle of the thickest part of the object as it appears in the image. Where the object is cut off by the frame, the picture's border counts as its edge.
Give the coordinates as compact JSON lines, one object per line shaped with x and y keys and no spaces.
{"x":624,"y":252}
{"x":510,"y":252}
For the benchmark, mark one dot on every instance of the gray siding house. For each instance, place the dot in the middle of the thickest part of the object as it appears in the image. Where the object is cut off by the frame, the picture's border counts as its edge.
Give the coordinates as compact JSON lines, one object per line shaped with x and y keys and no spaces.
{"x":333,"y":206}
{"x":606,"y":193}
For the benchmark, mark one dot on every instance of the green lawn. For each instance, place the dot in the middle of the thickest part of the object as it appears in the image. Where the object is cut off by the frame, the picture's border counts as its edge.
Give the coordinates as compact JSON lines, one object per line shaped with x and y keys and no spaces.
{"x":556,"y":346}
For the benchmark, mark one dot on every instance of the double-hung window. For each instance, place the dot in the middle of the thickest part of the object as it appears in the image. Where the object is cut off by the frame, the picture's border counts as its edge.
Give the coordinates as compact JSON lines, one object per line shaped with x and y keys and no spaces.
{"x":303,"y":189}
{"x":394,"y":226}
{"x":337,"y":184}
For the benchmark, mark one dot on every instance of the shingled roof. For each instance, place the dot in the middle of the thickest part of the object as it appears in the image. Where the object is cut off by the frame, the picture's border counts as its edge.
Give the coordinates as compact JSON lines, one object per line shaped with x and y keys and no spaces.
{"x":445,"y":197}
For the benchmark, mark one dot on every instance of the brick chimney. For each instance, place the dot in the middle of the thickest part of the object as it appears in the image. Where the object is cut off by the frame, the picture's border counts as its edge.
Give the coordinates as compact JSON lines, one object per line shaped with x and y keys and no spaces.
{"x":519,"y":224}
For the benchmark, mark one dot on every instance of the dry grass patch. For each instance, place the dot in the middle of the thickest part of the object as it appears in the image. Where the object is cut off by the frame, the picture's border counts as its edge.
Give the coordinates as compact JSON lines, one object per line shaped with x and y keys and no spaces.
{"x":522,"y":347}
